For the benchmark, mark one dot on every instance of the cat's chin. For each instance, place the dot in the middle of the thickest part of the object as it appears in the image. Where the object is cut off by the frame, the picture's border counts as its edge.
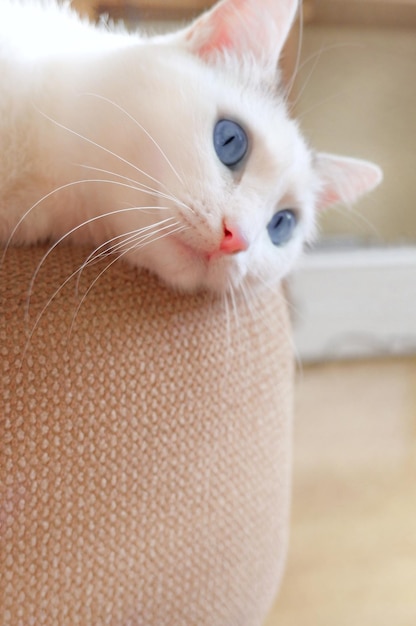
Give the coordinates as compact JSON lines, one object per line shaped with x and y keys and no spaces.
{"x":192,"y":283}
{"x":203,"y":275}
{"x":195,"y":270}
{"x":186,"y":269}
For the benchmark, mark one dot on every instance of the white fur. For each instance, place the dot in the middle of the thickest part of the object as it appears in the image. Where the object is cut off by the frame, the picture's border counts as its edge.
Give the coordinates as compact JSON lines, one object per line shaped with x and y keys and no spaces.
{"x":94,"y":124}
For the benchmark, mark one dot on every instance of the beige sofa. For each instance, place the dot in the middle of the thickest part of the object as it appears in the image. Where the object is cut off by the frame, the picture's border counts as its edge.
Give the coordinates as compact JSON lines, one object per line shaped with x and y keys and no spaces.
{"x":145,"y":449}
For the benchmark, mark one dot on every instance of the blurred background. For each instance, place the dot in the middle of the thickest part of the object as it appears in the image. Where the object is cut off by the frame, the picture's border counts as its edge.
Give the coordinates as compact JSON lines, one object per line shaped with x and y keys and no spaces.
{"x":352,"y":557}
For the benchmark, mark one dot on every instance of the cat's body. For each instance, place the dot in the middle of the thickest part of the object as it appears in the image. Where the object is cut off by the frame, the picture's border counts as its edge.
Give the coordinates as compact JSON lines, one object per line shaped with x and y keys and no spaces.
{"x":122,"y":133}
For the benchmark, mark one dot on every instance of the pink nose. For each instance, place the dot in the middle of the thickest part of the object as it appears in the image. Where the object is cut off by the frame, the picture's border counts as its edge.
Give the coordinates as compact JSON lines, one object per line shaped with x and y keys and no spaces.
{"x":233,"y":240}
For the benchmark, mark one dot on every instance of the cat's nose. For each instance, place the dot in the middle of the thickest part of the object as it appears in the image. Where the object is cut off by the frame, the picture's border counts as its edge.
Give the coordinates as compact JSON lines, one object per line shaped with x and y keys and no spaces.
{"x":233,"y":240}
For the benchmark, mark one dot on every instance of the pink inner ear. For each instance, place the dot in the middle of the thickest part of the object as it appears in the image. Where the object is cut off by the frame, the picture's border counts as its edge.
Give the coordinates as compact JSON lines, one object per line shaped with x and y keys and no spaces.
{"x":220,"y":41}
{"x":218,"y":29}
{"x":327,"y":198}
{"x":344,"y":179}
{"x":257,"y":28}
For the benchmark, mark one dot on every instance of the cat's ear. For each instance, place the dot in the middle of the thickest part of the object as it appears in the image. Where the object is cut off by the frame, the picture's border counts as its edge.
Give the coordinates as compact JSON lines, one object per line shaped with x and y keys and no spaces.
{"x":343,"y":179}
{"x":255,"y":28}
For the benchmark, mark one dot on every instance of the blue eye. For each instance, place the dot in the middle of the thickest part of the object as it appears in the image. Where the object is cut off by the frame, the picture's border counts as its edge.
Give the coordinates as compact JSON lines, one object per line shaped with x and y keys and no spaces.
{"x":230,"y":142}
{"x":281,"y":227}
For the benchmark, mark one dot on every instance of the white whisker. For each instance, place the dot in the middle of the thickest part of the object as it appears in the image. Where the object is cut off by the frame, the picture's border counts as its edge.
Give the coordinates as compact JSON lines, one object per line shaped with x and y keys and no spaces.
{"x":227,"y":322}
{"x":229,"y":346}
{"x":327,"y":48}
{"x":100,"y":147}
{"x":137,"y":245}
{"x":315,"y":57}
{"x":360,"y":220}
{"x":55,"y":191}
{"x":248,"y":298}
{"x":298,"y":54}
{"x":140,"y":186}
{"x":306,"y":82}
{"x":108,"y":249}
{"x":234,"y":304}
{"x":68,"y":234}
{"x":139,"y":236}
{"x":72,"y":276}
{"x":271,"y":286}
{"x":152,"y":139}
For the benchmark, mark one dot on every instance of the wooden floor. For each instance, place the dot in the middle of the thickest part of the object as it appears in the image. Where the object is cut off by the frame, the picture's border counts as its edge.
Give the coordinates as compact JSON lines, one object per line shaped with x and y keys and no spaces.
{"x":352,"y":558}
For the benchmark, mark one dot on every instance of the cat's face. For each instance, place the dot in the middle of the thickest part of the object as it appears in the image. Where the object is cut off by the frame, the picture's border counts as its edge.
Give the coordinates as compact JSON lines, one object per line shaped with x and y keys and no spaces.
{"x":199,"y":120}
{"x":245,"y":183}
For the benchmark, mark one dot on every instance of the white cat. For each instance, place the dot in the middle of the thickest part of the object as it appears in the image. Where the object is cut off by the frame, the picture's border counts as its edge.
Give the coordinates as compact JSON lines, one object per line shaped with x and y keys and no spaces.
{"x":176,"y":152}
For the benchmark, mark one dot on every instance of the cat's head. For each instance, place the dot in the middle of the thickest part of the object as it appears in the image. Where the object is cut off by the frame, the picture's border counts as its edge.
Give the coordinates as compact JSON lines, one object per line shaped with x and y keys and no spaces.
{"x":249,"y":183}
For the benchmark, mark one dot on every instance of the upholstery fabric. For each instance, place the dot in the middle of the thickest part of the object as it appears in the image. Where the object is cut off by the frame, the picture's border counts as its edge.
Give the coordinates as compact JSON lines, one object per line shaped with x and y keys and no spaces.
{"x":145,"y":448}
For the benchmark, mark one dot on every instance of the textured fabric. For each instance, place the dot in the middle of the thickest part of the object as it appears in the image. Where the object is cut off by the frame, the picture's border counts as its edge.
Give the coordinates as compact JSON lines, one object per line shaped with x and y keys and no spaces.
{"x":145,"y":449}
